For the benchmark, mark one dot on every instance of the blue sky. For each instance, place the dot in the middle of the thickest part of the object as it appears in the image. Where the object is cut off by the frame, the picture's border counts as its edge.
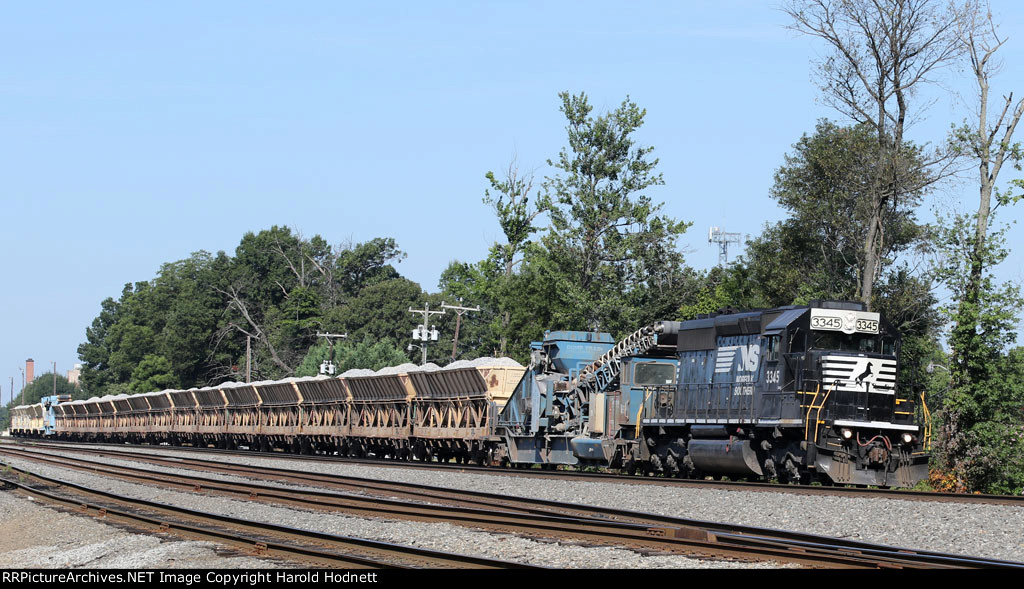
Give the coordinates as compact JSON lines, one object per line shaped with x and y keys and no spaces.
{"x":136,"y":133}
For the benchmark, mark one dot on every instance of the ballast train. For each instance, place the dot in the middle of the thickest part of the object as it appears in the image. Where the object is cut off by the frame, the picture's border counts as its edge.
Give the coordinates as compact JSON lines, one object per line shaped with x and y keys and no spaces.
{"x":797,"y":393}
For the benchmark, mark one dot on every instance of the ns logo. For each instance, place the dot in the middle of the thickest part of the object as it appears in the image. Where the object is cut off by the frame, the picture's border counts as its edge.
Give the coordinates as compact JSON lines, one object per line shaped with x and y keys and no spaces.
{"x":743,"y":358}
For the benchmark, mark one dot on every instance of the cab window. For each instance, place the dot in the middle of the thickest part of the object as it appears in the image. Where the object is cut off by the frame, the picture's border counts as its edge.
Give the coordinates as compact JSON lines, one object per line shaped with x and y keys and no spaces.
{"x":771,"y":348}
{"x":858,"y":342}
{"x":889,"y":346}
{"x":652,"y":373}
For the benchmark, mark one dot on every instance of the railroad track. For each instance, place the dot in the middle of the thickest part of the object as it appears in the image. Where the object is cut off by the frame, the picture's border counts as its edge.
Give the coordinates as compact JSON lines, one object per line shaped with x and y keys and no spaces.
{"x":902,"y":494}
{"x":509,"y":514}
{"x":306,"y":547}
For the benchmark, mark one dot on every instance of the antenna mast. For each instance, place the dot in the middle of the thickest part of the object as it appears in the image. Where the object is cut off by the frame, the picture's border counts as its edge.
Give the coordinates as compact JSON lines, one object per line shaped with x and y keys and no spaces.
{"x":723,"y":239}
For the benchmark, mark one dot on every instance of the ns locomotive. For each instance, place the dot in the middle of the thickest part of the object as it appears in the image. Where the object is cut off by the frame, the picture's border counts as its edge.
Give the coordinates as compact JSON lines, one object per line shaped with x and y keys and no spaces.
{"x":797,"y":393}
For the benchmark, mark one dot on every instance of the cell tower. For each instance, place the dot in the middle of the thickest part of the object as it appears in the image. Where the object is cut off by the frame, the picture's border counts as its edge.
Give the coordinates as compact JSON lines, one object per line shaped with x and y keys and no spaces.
{"x":723,"y":239}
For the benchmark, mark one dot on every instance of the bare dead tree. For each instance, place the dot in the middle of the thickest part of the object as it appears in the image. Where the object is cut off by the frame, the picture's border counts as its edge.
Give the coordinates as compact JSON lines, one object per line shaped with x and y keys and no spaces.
{"x":882,"y":51}
{"x":327,"y":266}
{"x":249,"y":326}
{"x":296,"y":260}
{"x":989,"y":144}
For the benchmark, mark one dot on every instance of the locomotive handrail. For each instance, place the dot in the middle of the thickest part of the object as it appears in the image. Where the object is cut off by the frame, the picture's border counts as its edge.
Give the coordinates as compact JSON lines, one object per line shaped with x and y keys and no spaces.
{"x":721,"y":401}
{"x":817,"y":416}
{"x":927,"y":428}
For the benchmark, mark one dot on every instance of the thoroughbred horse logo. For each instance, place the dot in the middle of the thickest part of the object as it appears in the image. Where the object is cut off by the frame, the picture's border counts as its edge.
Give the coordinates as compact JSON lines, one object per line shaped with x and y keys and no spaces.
{"x":867,"y":375}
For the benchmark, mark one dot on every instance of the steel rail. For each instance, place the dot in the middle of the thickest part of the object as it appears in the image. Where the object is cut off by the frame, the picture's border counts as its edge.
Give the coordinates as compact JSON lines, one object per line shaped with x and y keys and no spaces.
{"x":722,"y":534}
{"x":263,"y":539}
{"x":841,"y":491}
{"x":680,"y":540}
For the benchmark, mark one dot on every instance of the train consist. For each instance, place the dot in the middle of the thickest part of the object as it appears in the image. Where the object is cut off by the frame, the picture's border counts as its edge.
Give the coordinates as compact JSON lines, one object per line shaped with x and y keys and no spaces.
{"x":797,"y":393}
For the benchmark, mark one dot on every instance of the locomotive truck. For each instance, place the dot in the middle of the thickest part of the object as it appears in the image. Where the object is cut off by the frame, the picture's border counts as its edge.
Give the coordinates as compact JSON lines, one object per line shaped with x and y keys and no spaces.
{"x":796,"y":393}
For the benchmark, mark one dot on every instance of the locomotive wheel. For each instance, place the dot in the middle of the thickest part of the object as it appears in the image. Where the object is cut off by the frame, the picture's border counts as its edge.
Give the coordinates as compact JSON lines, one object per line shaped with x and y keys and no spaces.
{"x":790,"y":473}
{"x":630,"y":467}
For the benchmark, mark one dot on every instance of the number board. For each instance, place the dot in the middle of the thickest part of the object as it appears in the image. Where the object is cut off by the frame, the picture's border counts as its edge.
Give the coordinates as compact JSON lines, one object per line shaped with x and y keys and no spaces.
{"x":844,"y":321}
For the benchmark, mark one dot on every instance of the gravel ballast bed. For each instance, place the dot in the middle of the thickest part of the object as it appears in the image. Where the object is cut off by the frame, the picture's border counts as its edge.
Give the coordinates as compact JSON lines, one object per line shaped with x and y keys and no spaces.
{"x":443,"y":537}
{"x":991,"y":531}
{"x":28,"y":540}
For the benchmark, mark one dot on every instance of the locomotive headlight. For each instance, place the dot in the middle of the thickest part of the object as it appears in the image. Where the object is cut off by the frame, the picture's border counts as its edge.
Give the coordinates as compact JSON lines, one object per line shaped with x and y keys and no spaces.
{"x":847,"y":433}
{"x":907,"y":438}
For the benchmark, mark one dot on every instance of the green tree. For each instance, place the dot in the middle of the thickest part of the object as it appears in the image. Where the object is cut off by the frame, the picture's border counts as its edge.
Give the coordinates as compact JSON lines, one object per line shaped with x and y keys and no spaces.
{"x":174,"y":315}
{"x":720,"y":288}
{"x":95,"y":351}
{"x":267,"y":267}
{"x":511,"y":203}
{"x":366,"y":264}
{"x":484,"y":283}
{"x":607,"y":243}
{"x":279,"y":289}
{"x":881,"y":52}
{"x":186,"y":330}
{"x":980,"y":442}
{"x":348,"y":355}
{"x":817,"y":252}
{"x":379,"y":312}
{"x":153,"y":373}
{"x":42,"y":386}
{"x":984,"y":401}
{"x":826,"y":188}
{"x":284,"y":288}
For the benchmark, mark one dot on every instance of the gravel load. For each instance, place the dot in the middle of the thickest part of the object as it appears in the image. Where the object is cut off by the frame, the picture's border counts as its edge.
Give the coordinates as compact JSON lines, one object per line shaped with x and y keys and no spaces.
{"x":484,"y":361}
{"x":401,"y":368}
{"x":433,"y":536}
{"x":358,"y":372}
{"x":991,"y":531}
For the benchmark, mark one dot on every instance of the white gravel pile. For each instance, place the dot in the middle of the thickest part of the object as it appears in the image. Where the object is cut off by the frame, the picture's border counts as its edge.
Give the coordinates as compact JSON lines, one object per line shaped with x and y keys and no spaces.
{"x":400,"y":369}
{"x":484,"y":361}
{"x":358,"y":372}
{"x":431,"y":367}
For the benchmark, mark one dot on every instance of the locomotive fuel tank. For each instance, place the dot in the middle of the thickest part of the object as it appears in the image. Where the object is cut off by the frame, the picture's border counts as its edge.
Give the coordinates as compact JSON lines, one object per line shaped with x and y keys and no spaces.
{"x":729,"y":456}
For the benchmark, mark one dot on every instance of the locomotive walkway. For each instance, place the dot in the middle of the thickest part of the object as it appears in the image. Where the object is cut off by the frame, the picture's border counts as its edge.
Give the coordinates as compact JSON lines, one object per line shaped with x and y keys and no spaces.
{"x":510,"y":514}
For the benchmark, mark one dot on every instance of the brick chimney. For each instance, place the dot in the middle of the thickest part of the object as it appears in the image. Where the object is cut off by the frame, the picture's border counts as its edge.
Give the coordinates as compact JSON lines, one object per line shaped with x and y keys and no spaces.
{"x":30,"y":370}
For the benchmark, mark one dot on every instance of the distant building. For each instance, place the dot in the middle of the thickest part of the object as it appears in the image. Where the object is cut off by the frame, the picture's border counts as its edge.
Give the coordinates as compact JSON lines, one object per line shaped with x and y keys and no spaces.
{"x":74,"y":374}
{"x":30,"y":371}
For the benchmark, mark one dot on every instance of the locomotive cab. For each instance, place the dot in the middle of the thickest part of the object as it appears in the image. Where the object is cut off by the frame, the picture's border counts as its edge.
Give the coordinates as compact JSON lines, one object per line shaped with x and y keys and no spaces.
{"x":857,"y":428}
{"x":798,"y":393}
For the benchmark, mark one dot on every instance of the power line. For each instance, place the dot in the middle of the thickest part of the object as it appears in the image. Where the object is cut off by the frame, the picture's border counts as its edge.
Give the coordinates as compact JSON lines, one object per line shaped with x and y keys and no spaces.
{"x":423,"y":332}
{"x":459,"y":311}
{"x":327,"y":366}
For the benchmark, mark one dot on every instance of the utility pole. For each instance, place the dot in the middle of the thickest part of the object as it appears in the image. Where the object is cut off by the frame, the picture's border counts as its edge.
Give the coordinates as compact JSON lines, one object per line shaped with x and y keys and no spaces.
{"x":327,"y":367}
{"x":248,"y":359}
{"x":22,"y":387}
{"x":423,"y":332}
{"x":54,"y":379}
{"x":459,"y":310}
